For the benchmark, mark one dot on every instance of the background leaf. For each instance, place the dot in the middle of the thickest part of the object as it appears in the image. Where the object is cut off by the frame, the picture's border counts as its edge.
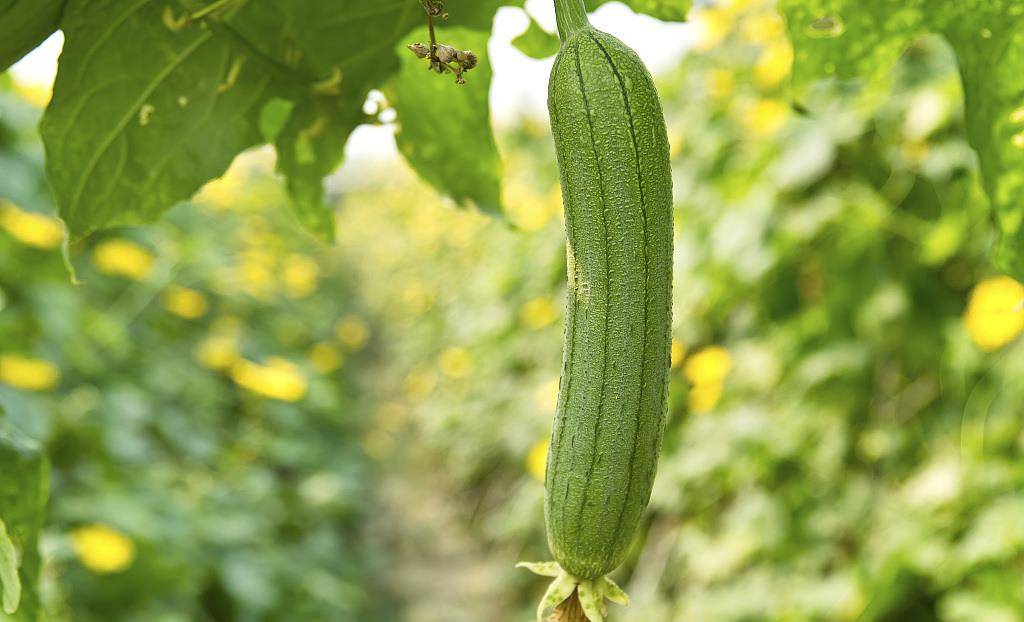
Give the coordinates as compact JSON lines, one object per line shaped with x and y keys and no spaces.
{"x":445,"y":128}
{"x":851,"y":39}
{"x":668,"y":10}
{"x":24,"y":25}
{"x":23,"y":492}
{"x":536,"y":42}
{"x":10,"y":582}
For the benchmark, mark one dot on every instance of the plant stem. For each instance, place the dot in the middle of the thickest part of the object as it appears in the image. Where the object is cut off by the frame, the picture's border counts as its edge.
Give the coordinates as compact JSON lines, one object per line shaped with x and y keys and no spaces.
{"x":571,"y":16}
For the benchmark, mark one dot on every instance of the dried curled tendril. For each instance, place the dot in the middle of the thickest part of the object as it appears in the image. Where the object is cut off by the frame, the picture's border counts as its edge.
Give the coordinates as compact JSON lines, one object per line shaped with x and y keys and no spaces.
{"x":443,"y":58}
{"x":446,"y":58}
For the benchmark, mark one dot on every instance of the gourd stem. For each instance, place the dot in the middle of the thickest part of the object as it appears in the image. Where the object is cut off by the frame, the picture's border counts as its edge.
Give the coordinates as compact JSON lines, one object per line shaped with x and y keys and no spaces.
{"x":571,"y":16}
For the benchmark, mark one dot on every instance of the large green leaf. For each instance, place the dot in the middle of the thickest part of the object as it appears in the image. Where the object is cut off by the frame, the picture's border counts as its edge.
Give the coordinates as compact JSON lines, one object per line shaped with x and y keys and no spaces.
{"x":24,"y":489}
{"x":346,"y":50}
{"x":339,"y":50}
{"x":669,"y":10}
{"x":145,"y":110}
{"x":150,"y":104}
{"x":24,"y":24}
{"x":536,"y":42}
{"x":863,"y":38}
{"x":445,"y":128}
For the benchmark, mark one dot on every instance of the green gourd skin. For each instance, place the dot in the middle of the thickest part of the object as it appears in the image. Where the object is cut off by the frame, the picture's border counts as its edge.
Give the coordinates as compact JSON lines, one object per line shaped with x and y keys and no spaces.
{"x":613,"y":157}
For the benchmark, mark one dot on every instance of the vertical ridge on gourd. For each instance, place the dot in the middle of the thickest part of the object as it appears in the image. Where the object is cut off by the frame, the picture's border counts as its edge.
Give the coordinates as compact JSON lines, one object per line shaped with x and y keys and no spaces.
{"x":612,"y":150}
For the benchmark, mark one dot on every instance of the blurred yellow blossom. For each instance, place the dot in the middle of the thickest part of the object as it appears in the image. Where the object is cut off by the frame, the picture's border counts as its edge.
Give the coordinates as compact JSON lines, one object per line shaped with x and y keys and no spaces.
{"x":708,"y":365}
{"x":417,"y":297}
{"x":419,"y":383}
{"x":773,"y":66}
{"x":30,"y":228}
{"x":537,"y":460}
{"x":300,"y":275}
{"x":352,"y":332}
{"x":36,"y":93}
{"x":676,"y":142}
{"x":539,"y":312}
{"x":28,"y":373}
{"x":765,"y":117}
{"x":102,"y":549}
{"x":225,"y":191}
{"x":704,"y":397}
{"x":763,"y":26}
{"x":707,"y":370}
{"x":720,"y":83}
{"x":218,"y":352}
{"x":995,"y":313}
{"x":279,"y":379}
{"x":528,"y":210}
{"x":456,"y":362}
{"x":325,"y":357}
{"x":185,"y":302}
{"x":711,"y":25}
{"x":121,"y":257}
{"x":678,"y":353}
{"x":256,"y":274}
{"x":547,"y":395}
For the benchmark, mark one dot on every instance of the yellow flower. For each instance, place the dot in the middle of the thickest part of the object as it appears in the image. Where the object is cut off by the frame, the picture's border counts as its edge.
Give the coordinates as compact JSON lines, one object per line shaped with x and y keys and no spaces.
{"x":222,"y":193}
{"x":36,"y":93}
{"x":678,"y":353}
{"x":765,"y":117}
{"x":28,"y":373}
{"x":352,"y":332}
{"x":537,"y":460}
{"x":774,"y":64}
{"x":526,"y":209}
{"x":218,"y":352}
{"x":720,"y":83}
{"x":708,"y":366}
{"x":101,"y":549}
{"x":547,"y":395}
{"x":256,"y":276}
{"x":763,"y":26}
{"x":995,"y":313}
{"x":185,"y":302}
{"x":456,"y":363}
{"x":325,"y":357}
{"x":120,"y":257}
{"x":704,"y":397}
{"x":300,"y":275}
{"x":538,"y":313}
{"x":30,"y":228}
{"x":279,"y":379}
{"x":419,"y":383}
{"x":712,"y":25}
{"x":417,"y":297}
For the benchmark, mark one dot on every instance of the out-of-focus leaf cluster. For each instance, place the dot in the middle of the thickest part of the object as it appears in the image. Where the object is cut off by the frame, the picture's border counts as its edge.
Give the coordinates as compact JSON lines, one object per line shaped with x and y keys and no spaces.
{"x":195,"y":394}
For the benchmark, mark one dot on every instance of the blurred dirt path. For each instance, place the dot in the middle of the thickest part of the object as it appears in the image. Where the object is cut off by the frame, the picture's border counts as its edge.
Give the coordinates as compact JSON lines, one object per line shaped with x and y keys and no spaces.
{"x":438,"y":570}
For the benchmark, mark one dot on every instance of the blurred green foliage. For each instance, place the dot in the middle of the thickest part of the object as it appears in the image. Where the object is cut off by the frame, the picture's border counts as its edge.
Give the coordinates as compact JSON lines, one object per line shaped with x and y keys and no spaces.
{"x":364,"y":448}
{"x":182,"y":489}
